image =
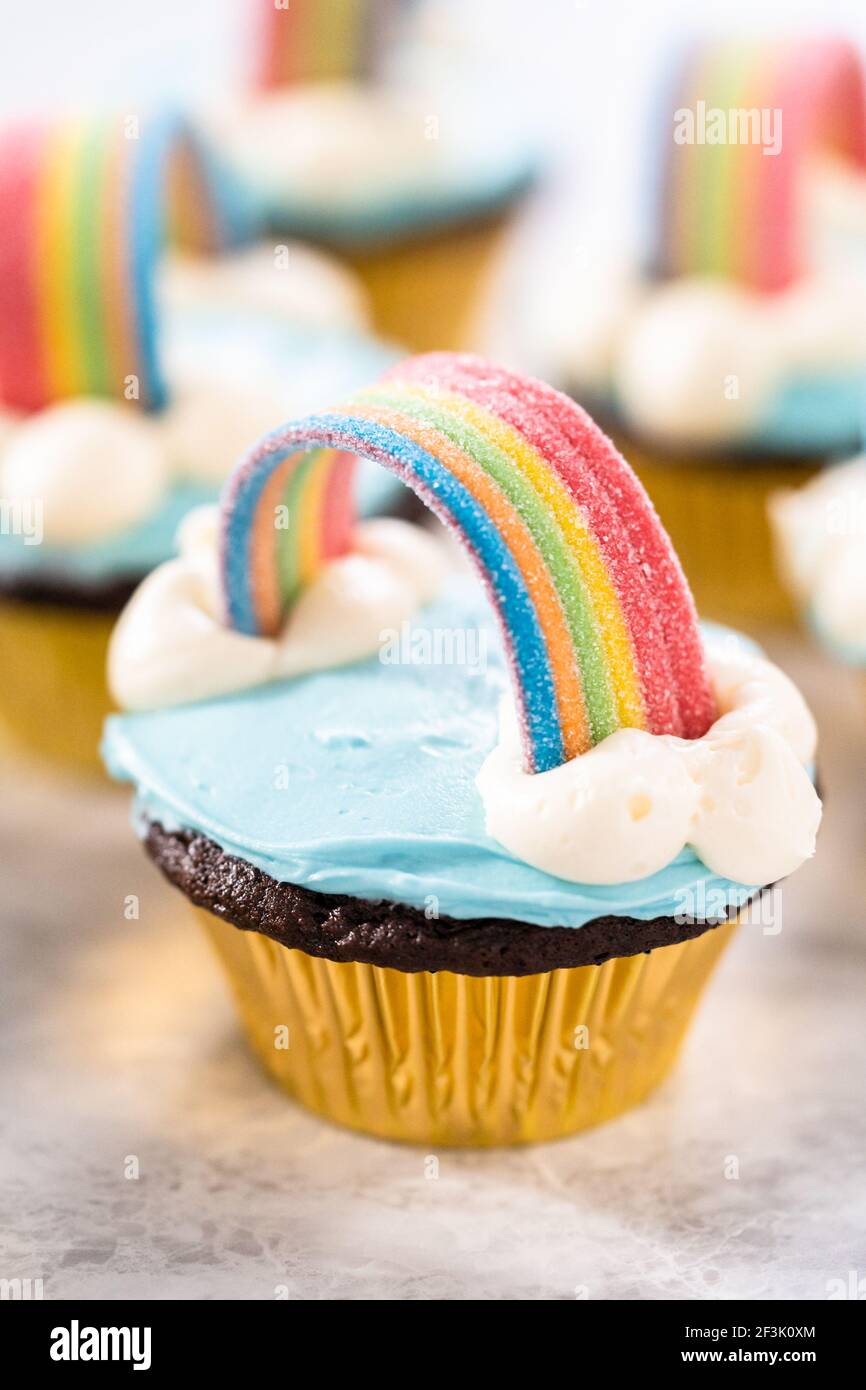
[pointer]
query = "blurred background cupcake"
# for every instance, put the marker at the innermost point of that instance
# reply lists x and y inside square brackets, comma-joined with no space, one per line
[130,385]
[726,353]
[382,128]
[820,535]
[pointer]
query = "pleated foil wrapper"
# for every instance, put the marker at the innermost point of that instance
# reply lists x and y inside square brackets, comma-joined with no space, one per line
[427,293]
[457,1060]
[53,694]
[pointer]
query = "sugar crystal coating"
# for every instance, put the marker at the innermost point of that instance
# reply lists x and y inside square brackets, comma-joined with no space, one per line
[597,619]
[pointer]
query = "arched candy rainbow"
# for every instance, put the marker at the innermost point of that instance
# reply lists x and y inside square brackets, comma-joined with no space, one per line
[321,40]
[725,207]
[87,207]
[598,621]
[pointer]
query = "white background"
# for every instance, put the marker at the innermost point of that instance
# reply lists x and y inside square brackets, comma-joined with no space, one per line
[578,69]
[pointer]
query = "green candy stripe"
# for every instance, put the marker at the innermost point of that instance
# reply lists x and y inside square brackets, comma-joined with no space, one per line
[714,207]
[545,531]
[288,542]
[88,229]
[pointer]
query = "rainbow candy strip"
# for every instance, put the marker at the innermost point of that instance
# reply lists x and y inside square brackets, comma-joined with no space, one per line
[597,618]
[728,208]
[87,207]
[321,40]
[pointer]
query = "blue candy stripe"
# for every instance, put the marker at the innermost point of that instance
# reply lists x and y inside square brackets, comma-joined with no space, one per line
[146,236]
[445,495]
[231,221]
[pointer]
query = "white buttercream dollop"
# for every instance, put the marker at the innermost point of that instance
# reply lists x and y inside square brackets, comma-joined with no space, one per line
[96,467]
[331,143]
[697,360]
[286,280]
[93,466]
[171,646]
[740,796]
[10,421]
[207,427]
[584,346]
[834,211]
[820,535]
[817,324]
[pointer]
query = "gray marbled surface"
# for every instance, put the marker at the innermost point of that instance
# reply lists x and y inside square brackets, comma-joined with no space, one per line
[120,1052]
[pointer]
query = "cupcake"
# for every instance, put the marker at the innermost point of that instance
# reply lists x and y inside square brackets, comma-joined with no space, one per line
[130,389]
[730,361]
[820,535]
[409,167]
[468,847]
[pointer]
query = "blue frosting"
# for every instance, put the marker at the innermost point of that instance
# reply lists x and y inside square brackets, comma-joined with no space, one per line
[474,189]
[494,162]
[128,553]
[337,364]
[362,781]
[818,415]
[823,414]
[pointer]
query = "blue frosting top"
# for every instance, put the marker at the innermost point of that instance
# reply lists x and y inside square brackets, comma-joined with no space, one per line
[495,160]
[476,186]
[361,781]
[131,552]
[818,415]
[324,365]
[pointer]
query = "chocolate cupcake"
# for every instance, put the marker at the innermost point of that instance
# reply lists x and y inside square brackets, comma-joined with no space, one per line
[468,851]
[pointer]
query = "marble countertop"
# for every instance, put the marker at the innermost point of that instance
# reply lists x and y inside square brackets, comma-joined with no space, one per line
[119,1044]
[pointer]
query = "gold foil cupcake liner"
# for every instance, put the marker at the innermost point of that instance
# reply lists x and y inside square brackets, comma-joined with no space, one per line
[454,1060]
[53,695]
[715,513]
[425,293]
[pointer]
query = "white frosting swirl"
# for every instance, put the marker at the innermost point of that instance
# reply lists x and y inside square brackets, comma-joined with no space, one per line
[668,353]
[700,360]
[9,423]
[332,144]
[286,280]
[171,646]
[94,468]
[835,212]
[207,427]
[697,361]
[820,534]
[740,796]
